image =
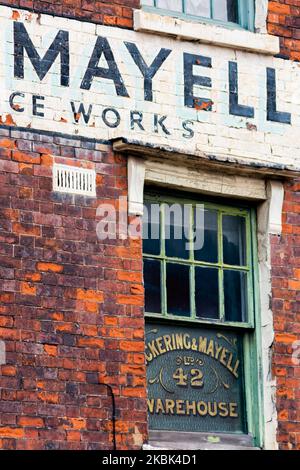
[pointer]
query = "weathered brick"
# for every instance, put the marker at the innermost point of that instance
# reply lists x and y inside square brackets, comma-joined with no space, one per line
[56,268]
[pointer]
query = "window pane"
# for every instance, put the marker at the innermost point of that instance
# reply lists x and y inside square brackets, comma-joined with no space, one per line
[235,294]
[198,8]
[207,292]
[220,10]
[151,229]
[232,11]
[234,240]
[149,3]
[177,228]
[172,5]
[152,273]
[226,10]
[178,289]
[207,246]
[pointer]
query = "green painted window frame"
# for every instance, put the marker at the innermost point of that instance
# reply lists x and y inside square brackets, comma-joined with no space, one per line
[252,339]
[220,265]
[246,14]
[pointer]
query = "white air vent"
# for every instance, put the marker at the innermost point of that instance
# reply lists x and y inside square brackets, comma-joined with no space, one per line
[73,180]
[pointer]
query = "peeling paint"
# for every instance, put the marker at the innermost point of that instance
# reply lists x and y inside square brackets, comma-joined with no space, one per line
[137,437]
[29,17]
[16,107]
[15,15]
[203,105]
[251,127]
[8,120]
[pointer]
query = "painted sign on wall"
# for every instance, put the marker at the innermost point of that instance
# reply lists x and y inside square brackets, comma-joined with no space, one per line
[194,378]
[78,78]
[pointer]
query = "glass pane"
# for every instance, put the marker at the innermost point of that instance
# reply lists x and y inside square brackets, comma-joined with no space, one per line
[234,240]
[226,10]
[178,289]
[149,3]
[198,8]
[235,295]
[151,229]
[220,10]
[172,5]
[206,248]
[152,273]
[207,292]
[177,229]
[232,11]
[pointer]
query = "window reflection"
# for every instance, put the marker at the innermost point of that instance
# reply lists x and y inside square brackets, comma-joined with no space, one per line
[198,8]
[178,289]
[208,229]
[207,292]
[235,296]
[234,240]
[152,282]
[177,230]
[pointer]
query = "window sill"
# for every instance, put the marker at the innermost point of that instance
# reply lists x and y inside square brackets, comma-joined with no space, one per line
[176,440]
[206,33]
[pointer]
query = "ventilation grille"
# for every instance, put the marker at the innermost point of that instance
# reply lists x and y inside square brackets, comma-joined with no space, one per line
[73,180]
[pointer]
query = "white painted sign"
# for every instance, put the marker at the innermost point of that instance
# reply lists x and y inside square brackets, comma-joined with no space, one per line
[83,79]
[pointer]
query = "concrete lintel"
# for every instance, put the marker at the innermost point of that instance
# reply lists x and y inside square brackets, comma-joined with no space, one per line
[208,33]
[224,163]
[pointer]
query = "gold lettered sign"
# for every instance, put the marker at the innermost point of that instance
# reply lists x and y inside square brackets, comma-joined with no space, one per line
[195,379]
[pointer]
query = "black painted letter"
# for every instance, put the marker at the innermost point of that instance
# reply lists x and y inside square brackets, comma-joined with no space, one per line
[111,73]
[190,80]
[272,113]
[187,126]
[60,46]
[36,106]
[147,72]
[159,122]
[13,105]
[136,117]
[235,108]
[81,112]
[115,113]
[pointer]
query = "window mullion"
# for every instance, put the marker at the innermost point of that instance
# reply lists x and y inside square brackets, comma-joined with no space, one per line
[164,263]
[246,14]
[251,273]
[192,268]
[212,12]
[221,270]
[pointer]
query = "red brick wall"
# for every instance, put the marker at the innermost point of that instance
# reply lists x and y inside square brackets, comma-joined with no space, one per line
[284,21]
[71,306]
[113,13]
[286,309]
[71,310]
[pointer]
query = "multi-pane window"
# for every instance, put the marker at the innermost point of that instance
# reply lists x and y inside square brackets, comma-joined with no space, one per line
[201,338]
[197,261]
[227,11]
